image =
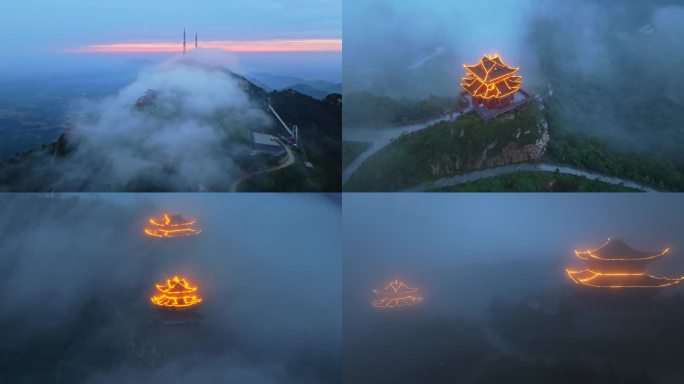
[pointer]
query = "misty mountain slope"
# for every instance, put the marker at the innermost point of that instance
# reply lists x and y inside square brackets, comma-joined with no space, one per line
[320,126]
[317,89]
[607,71]
[595,334]
[369,109]
[257,93]
[308,90]
[523,321]
[403,346]
[79,273]
[626,120]
[619,86]
[453,147]
[182,126]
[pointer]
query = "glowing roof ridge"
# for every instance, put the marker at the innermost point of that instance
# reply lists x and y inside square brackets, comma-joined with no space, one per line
[170,226]
[491,78]
[592,253]
[587,276]
[176,293]
[396,294]
[396,286]
[617,265]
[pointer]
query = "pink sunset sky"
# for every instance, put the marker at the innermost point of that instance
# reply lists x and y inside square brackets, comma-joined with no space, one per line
[237,46]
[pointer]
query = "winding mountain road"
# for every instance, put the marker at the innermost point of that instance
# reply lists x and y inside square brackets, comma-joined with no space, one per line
[523,167]
[290,160]
[381,137]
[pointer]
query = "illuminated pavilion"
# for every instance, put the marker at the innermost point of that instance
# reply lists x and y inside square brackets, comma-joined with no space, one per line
[617,265]
[491,82]
[396,294]
[176,293]
[169,226]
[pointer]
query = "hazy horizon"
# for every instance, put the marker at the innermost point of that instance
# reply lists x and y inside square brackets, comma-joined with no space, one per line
[300,38]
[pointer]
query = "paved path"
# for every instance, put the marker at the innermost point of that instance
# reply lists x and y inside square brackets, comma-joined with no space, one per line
[381,137]
[523,167]
[290,160]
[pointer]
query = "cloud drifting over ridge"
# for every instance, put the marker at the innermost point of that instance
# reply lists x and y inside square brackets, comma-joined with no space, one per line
[183,138]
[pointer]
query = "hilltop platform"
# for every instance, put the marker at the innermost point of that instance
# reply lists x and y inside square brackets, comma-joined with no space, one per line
[519,98]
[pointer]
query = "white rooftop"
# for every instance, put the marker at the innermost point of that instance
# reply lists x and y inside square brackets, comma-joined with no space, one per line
[264,139]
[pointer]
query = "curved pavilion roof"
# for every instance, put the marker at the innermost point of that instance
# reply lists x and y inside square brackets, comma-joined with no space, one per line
[396,294]
[491,78]
[395,287]
[169,226]
[618,250]
[490,69]
[620,280]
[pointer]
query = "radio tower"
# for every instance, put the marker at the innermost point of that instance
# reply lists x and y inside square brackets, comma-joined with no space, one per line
[195,40]
[184,41]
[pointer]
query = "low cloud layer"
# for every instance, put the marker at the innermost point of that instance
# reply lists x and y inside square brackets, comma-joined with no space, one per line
[78,273]
[465,249]
[183,136]
[613,66]
[588,36]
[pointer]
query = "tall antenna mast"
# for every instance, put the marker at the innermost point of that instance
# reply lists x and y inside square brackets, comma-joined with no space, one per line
[184,41]
[195,40]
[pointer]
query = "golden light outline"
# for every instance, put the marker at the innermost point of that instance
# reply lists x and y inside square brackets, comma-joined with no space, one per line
[167,228]
[487,88]
[574,276]
[176,294]
[397,294]
[591,254]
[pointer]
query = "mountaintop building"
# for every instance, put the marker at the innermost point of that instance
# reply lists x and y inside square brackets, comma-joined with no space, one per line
[617,265]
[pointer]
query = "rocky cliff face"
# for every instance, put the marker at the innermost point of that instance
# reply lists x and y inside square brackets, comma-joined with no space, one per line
[514,152]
